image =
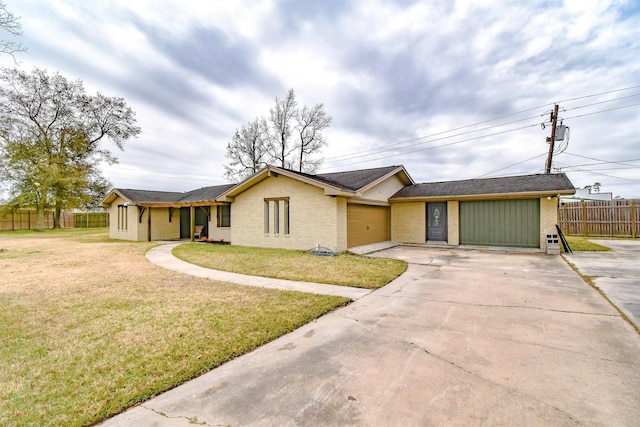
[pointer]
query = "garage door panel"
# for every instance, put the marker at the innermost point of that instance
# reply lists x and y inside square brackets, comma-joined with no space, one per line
[513,223]
[367,224]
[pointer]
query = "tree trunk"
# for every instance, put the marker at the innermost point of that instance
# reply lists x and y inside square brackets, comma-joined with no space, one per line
[57,216]
[40,216]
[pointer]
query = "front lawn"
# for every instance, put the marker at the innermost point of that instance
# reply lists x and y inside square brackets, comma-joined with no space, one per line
[342,269]
[577,244]
[89,327]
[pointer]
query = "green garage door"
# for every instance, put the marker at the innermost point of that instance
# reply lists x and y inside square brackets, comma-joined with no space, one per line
[512,223]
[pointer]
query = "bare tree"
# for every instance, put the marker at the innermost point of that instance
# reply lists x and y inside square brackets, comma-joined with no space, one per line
[10,23]
[290,138]
[247,150]
[281,119]
[310,124]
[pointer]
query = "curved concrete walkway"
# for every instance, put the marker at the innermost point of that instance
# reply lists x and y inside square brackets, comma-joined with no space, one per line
[162,256]
[461,338]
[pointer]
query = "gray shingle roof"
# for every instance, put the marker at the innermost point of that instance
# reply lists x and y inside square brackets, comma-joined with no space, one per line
[145,196]
[350,180]
[199,195]
[355,180]
[205,193]
[514,184]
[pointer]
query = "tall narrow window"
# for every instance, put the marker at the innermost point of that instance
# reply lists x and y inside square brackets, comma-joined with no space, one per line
[224,216]
[276,217]
[276,210]
[122,218]
[286,217]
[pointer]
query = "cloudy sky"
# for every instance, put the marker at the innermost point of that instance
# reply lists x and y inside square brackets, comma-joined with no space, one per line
[449,89]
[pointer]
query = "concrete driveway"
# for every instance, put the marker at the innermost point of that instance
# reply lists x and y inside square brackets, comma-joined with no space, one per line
[616,273]
[464,337]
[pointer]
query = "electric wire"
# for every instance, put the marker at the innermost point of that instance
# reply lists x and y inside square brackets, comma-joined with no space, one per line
[419,140]
[602,102]
[598,94]
[439,146]
[620,162]
[601,174]
[385,149]
[510,166]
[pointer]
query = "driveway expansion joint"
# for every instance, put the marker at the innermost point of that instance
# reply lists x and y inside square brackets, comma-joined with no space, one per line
[504,306]
[509,390]
[191,420]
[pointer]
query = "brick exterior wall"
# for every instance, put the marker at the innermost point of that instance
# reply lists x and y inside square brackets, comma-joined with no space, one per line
[131,233]
[548,219]
[161,228]
[313,217]
[453,222]
[408,222]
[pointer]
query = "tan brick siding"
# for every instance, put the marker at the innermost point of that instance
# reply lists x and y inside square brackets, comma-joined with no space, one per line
[408,222]
[161,228]
[453,222]
[314,218]
[131,233]
[548,219]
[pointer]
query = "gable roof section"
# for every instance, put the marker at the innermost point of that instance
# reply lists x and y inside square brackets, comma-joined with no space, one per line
[345,184]
[541,185]
[360,179]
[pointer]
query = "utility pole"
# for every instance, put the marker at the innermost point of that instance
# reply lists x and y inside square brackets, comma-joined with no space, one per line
[554,121]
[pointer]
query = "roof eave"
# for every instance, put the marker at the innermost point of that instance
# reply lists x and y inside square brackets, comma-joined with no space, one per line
[229,195]
[273,171]
[404,177]
[526,195]
[111,196]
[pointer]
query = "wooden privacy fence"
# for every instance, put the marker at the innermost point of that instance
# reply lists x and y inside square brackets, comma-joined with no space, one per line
[612,218]
[24,219]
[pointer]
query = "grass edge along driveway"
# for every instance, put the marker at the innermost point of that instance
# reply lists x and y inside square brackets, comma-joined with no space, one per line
[89,327]
[342,269]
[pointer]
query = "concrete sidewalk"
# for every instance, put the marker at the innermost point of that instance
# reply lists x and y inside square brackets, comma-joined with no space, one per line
[616,273]
[162,256]
[462,338]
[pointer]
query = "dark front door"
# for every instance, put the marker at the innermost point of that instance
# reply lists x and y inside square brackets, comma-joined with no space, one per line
[437,221]
[185,223]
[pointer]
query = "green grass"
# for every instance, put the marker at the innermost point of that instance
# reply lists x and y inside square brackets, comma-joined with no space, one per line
[88,327]
[342,269]
[578,244]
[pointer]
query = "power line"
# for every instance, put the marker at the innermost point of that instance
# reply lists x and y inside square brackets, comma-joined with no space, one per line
[602,102]
[602,111]
[439,146]
[601,174]
[510,166]
[464,140]
[387,147]
[620,162]
[384,149]
[598,94]
[422,140]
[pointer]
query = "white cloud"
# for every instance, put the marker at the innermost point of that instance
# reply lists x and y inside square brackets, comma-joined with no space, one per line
[386,71]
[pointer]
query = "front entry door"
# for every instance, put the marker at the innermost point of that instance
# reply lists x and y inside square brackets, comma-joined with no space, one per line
[436,221]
